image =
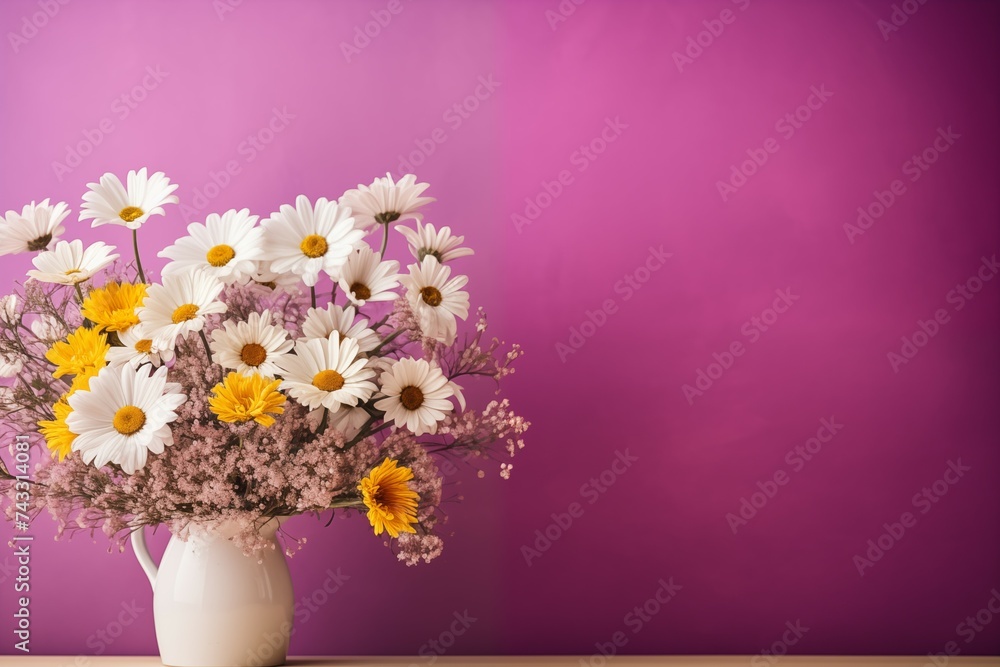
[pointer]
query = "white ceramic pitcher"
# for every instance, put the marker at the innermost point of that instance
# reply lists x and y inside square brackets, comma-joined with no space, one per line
[215,607]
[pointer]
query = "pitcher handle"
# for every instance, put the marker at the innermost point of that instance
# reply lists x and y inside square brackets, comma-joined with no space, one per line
[142,555]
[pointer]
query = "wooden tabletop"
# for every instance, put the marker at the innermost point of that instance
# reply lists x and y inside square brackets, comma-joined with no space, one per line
[531,661]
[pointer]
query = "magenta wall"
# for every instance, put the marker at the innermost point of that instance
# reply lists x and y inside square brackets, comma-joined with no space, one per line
[558,228]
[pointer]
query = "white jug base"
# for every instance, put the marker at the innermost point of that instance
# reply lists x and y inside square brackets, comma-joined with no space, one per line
[274,662]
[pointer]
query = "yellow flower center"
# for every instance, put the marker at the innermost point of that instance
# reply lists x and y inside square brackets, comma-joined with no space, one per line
[431,296]
[129,419]
[220,255]
[185,313]
[314,246]
[130,213]
[328,381]
[253,354]
[145,346]
[411,397]
[377,501]
[361,291]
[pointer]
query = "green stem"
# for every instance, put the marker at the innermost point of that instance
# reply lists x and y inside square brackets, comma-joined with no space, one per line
[362,434]
[312,293]
[135,249]
[346,503]
[79,294]
[388,339]
[208,348]
[385,240]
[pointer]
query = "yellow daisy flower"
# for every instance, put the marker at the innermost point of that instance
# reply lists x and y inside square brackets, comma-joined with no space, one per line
[240,398]
[114,306]
[84,349]
[392,505]
[58,437]
[82,381]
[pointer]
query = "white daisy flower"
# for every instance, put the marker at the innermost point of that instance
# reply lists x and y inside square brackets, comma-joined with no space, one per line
[179,306]
[416,395]
[366,277]
[8,308]
[286,283]
[69,264]
[385,202]
[125,414]
[321,322]
[138,349]
[327,373]
[48,329]
[307,239]
[459,394]
[111,203]
[254,346]
[226,246]
[33,229]
[435,299]
[348,421]
[314,419]
[380,364]
[11,365]
[425,240]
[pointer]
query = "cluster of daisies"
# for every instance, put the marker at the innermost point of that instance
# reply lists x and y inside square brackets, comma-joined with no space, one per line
[348,367]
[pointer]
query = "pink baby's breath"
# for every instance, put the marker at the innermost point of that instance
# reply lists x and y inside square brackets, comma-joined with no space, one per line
[244,474]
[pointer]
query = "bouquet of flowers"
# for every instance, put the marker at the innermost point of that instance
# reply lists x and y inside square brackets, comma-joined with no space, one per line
[275,369]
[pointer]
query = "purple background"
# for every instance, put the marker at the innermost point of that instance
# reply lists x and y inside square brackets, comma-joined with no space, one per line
[654,185]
